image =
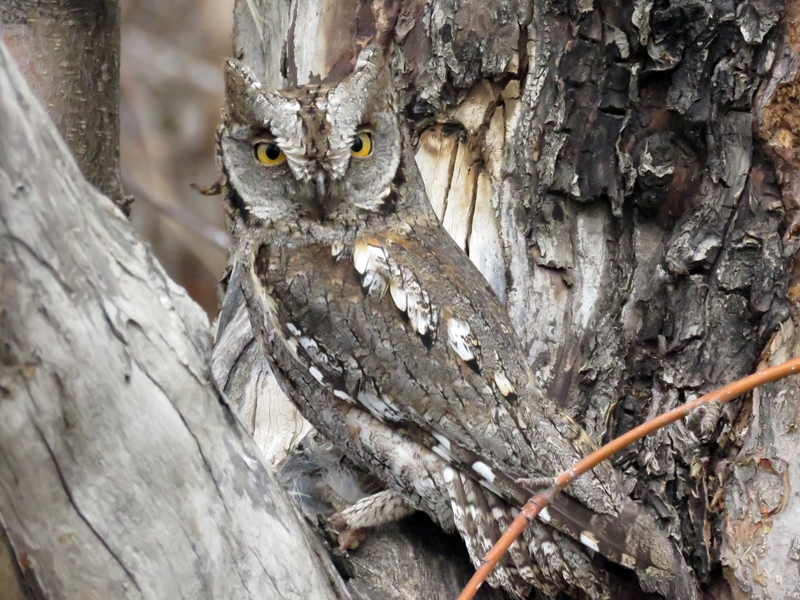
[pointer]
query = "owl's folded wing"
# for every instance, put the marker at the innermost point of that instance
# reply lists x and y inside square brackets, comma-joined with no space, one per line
[417,339]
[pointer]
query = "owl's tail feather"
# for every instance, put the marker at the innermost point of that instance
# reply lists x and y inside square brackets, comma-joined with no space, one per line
[631,539]
[542,557]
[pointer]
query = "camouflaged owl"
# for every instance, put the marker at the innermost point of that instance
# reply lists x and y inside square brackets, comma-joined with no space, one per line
[392,344]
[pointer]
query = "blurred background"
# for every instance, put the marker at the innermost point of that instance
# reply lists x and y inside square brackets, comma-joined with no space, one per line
[171,94]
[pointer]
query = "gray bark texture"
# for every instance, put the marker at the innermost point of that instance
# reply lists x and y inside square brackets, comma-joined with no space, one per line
[625,175]
[69,53]
[123,472]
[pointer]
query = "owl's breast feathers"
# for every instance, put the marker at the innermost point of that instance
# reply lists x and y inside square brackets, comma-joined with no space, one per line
[403,326]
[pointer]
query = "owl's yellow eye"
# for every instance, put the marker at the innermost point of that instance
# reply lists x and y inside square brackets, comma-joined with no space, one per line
[362,145]
[269,154]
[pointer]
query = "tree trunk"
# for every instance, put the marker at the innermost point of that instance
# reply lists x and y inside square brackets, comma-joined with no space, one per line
[69,53]
[626,178]
[124,474]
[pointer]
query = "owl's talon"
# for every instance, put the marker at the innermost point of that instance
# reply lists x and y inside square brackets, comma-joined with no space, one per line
[349,539]
[380,508]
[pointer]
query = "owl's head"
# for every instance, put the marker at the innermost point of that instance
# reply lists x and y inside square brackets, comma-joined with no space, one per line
[326,152]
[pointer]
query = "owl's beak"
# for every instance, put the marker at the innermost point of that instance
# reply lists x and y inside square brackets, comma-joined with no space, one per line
[322,186]
[323,200]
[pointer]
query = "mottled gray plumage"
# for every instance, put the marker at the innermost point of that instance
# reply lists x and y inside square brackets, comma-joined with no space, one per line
[389,340]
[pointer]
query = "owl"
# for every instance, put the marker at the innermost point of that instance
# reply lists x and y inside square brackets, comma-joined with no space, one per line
[391,343]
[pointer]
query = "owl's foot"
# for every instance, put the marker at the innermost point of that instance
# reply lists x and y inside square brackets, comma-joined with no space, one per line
[349,539]
[378,509]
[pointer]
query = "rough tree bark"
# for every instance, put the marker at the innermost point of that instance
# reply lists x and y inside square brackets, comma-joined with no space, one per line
[625,175]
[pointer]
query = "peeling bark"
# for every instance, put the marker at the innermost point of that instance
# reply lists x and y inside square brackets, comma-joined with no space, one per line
[760,546]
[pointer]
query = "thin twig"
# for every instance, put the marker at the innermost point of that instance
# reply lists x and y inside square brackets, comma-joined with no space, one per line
[542,499]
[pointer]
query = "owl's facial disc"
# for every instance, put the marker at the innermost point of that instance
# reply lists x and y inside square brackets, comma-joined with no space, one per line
[327,152]
[328,172]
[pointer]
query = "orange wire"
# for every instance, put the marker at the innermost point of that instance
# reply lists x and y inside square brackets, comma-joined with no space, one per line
[540,500]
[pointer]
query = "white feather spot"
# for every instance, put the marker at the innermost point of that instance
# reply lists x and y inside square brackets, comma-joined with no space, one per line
[526,573]
[460,338]
[419,309]
[380,274]
[375,283]
[498,513]
[473,510]
[441,451]
[380,408]
[544,515]
[308,343]
[399,296]
[503,384]
[367,257]
[360,258]
[316,373]
[293,329]
[291,344]
[343,395]
[589,540]
[448,474]
[442,440]
[548,548]
[391,406]
[484,471]
[336,248]
[491,487]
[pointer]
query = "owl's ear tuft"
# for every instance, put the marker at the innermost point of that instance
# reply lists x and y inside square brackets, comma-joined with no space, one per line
[243,92]
[370,78]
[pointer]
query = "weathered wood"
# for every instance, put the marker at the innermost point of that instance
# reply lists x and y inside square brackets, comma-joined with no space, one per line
[241,371]
[124,474]
[761,538]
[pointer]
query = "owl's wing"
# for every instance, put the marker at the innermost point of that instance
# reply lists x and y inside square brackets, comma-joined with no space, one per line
[405,327]
[460,364]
